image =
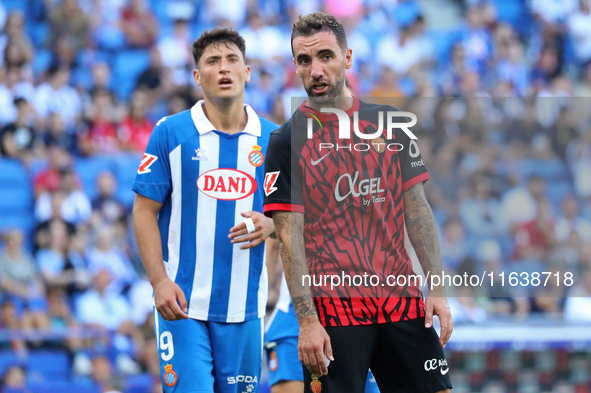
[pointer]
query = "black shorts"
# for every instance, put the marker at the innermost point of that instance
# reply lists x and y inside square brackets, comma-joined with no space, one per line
[403,357]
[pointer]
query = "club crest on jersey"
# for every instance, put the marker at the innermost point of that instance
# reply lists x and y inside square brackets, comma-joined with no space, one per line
[316,385]
[378,144]
[269,183]
[170,377]
[256,157]
[273,362]
[226,184]
[146,163]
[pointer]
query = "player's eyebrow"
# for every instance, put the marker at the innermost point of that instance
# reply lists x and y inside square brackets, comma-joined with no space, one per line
[325,52]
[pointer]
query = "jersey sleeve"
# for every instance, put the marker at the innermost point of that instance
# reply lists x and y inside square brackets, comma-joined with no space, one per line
[283,178]
[412,165]
[153,179]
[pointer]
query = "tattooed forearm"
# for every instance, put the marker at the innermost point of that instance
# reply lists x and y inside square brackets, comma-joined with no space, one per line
[290,232]
[421,228]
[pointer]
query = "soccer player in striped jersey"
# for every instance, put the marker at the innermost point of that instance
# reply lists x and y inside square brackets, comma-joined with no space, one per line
[199,229]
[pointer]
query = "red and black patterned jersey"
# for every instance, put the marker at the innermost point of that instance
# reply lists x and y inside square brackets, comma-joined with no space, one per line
[350,191]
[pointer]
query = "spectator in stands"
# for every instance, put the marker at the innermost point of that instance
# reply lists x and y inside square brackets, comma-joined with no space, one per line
[519,203]
[481,213]
[76,207]
[14,379]
[152,78]
[138,24]
[579,28]
[57,96]
[175,51]
[20,281]
[400,51]
[534,239]
[55,134]
[454,244]
[101,135]
[387,85]
[49,180]
[102,374]
[57,268]
[104,309]
[101,78]
[14,34]
[106,208]
[11,322]
[68,19]
[19,139]
[145,341]
[135,129]
[266,42]
[579,161]
[106,256]
[571,228]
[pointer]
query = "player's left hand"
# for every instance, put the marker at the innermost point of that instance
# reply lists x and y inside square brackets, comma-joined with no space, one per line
[436,304]
[264,227]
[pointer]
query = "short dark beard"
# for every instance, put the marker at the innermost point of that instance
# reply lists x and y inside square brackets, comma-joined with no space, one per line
[327,98]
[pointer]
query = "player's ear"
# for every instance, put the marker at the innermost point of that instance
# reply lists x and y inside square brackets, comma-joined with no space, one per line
[197,77]
[348,58]
[247,73]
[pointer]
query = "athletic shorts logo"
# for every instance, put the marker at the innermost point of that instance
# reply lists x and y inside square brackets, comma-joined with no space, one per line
[170,377]
[226,184]
[256,157]
[433,364]
[146,163]
[273,362]
[316,385]
[269,183]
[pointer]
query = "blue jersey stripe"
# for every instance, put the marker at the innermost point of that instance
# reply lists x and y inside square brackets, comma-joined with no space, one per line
[187,255]
[222,267]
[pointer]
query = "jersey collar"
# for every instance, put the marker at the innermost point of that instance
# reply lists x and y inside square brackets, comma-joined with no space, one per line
[203,125]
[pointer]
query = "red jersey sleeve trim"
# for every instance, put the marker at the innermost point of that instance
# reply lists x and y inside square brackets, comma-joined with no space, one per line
[423,177]
[286,207]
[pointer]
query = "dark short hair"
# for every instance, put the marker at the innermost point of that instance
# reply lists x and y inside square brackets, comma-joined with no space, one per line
[316,22]
[217,36]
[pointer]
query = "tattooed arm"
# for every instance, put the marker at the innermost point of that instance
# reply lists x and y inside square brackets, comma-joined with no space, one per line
[313,340]
[422,233]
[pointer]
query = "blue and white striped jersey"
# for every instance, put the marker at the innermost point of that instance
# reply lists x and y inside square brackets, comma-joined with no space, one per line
[205,178]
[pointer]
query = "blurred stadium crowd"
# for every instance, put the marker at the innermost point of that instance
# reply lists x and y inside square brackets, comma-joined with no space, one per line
[82,82]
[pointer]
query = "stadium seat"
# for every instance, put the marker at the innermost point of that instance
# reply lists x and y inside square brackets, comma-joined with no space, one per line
[87,169]
[16,204]
[63,386]
[125,171]
[51,364]
[127,67]
[41,62]
[8,358]
[138,383]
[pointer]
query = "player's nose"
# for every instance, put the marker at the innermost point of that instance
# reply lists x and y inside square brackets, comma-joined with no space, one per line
[316,70]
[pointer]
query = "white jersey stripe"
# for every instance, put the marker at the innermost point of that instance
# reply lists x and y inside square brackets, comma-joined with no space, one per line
[174,230]
[241,258]
[205,238]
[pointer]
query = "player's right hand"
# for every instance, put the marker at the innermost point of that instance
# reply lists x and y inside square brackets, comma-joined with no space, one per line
[313,344]
[170,300]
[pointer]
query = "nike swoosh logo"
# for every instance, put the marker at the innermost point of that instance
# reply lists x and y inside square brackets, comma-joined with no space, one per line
[443,372]
[316,162]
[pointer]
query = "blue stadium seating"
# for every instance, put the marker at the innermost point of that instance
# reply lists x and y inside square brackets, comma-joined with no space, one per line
[138,383]
[125,172]
[63,386]
[8,358]
[51,364]
[41,62]
[88,169]
[127,67]
[16,204]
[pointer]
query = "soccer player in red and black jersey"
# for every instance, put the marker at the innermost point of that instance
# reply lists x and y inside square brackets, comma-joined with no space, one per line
[339,208]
